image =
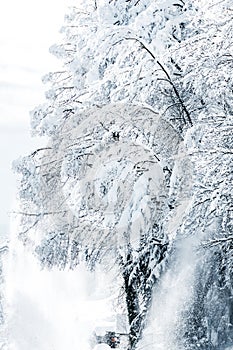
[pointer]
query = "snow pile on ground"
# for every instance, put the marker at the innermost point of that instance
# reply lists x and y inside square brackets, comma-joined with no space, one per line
[101,347]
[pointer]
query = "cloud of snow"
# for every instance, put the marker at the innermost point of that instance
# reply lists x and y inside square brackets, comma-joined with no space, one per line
[52,309]
[170,300]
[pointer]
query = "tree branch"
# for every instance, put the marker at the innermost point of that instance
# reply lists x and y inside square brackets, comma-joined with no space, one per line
[168,77]
[177,93]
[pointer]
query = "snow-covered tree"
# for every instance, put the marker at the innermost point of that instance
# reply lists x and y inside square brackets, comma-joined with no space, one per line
[139,153]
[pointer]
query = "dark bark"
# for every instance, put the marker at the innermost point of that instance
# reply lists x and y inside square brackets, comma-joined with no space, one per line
[132,304]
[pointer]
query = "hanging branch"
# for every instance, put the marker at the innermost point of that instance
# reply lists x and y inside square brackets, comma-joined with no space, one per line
[177,93]
[167,75]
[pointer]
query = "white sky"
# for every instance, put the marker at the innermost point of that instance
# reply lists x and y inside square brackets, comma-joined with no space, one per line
[27,29]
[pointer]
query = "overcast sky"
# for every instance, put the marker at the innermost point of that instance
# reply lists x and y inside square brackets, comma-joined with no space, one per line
[27,29]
